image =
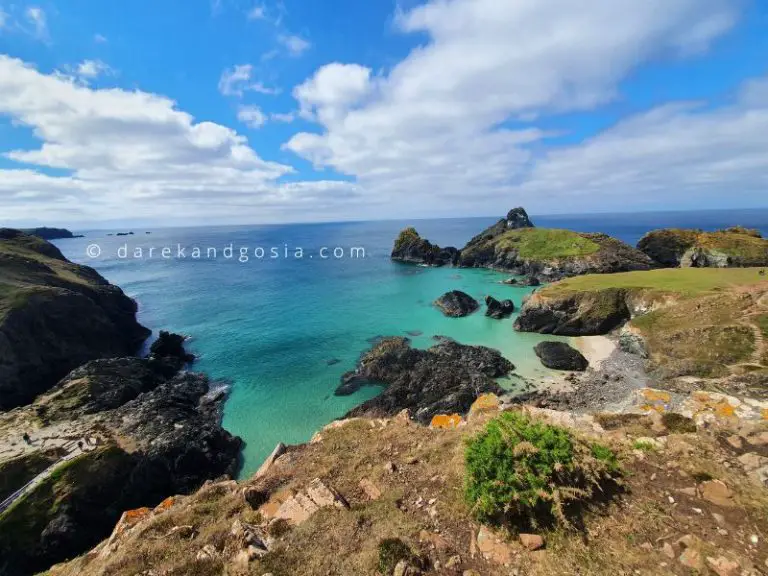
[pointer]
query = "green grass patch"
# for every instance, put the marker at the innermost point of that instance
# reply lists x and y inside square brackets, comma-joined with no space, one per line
[762,323]
[546,243]
[520,468]
[682,281]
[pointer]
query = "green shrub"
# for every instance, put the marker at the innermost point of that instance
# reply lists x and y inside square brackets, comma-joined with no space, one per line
[517,467]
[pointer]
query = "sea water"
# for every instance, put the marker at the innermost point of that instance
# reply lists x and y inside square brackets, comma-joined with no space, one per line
[282,330]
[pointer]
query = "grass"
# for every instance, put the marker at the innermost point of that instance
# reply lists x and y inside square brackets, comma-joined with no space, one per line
[740,244]
[682,281]
[545,243]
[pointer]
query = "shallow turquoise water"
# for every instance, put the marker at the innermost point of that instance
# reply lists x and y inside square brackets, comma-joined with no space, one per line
[269,327]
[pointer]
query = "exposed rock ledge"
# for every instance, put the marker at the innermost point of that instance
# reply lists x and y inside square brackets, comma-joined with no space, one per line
[446,378]
[120,433]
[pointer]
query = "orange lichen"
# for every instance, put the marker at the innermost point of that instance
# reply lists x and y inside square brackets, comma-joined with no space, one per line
[485,403]
[724,409]
[656,395]
[166,504]
[445,421]
[764,413]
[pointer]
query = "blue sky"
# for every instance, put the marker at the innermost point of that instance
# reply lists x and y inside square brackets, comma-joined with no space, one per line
[240,111]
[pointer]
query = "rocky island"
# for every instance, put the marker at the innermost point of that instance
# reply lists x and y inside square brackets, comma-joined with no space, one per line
[51,233]
[515,245]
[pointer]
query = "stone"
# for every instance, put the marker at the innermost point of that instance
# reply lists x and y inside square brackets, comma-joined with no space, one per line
[324,496]
[183,531]
[531,541]
[453,562]
[278,451]
[691,558]
[370,489]
[456,304]
[445,421]
[716,492]
[668,550]
[405,568]
[498,309]
[390,467]
[723,566]
[756,466]
[208,552]
[492,547]
[485,403]
[560,356]
[735,441]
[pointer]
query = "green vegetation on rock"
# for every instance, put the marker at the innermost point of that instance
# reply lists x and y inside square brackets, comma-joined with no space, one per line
[546,243]
[519,468]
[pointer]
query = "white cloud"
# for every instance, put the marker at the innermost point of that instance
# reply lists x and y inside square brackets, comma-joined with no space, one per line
[135,154]
[237,80]
[100,39]
[3,18]
[295,45]
[90,69]
[252,116]
[442,121]
[36,17]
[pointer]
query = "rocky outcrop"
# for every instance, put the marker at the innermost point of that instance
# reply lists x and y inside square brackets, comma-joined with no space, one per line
[412,248]
[445,379]
[560,356]
[55,316]
[729,248]
[525,281]
[152,436]
[574,313]
[515,245]
[456,304]
[51,233]
[498,308]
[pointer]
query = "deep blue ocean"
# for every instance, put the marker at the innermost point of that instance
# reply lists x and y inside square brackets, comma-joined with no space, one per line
[281,330]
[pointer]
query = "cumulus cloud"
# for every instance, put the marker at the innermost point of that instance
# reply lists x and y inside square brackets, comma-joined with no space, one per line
[448,119]
[133,153]
[258,12]
[252,116]
[237,80]
[295,45]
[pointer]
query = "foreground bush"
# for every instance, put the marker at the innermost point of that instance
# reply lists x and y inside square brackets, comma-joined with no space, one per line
[518,468]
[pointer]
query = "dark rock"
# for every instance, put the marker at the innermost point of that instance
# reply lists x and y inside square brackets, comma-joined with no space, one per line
[525,281]
[412,248]
[58,316]
[560,356]
[498,309]
[332,361]
[729,248]
[446,378]
[51,233]
[518,218]
[574,314]
[414,333]
[666,247]
[456,304]
[168,351]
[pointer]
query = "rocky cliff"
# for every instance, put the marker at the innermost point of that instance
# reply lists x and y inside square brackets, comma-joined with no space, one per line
[514,244]
[729,248]
[50,233]
[55,316]
[117,434]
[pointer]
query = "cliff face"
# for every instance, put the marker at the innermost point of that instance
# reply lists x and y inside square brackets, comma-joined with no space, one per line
[143,435]
[55,316]
[731,248]
[516,245]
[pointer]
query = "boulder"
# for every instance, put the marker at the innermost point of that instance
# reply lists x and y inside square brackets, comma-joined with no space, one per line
[498,309]
[560,356]
[456,304]
[732,247]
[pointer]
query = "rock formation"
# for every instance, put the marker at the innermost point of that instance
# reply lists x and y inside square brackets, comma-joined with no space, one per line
[457,304]
[498,309]
[446,378]
[51,233]
[560,356]
[515,245]
[735,247]
[412,248]
[55,316]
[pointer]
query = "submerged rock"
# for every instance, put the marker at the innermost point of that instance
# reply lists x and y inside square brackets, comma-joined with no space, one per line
[445,379]
[457,304]
[560,356]
[498,309]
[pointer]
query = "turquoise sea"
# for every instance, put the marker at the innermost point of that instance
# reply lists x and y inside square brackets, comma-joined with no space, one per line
[281,330]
